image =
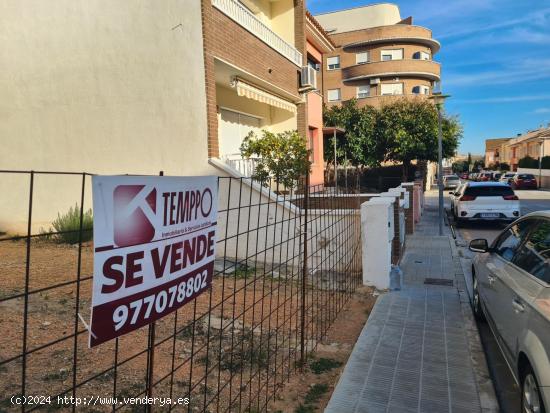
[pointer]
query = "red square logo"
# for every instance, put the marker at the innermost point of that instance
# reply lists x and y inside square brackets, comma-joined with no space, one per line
[134,210]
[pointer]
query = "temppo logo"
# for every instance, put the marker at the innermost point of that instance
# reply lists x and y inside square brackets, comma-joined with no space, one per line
[135,207]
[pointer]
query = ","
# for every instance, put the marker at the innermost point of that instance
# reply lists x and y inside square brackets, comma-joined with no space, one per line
[511,291]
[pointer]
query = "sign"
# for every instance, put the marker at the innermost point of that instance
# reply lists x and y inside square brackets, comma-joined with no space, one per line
[154,248]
